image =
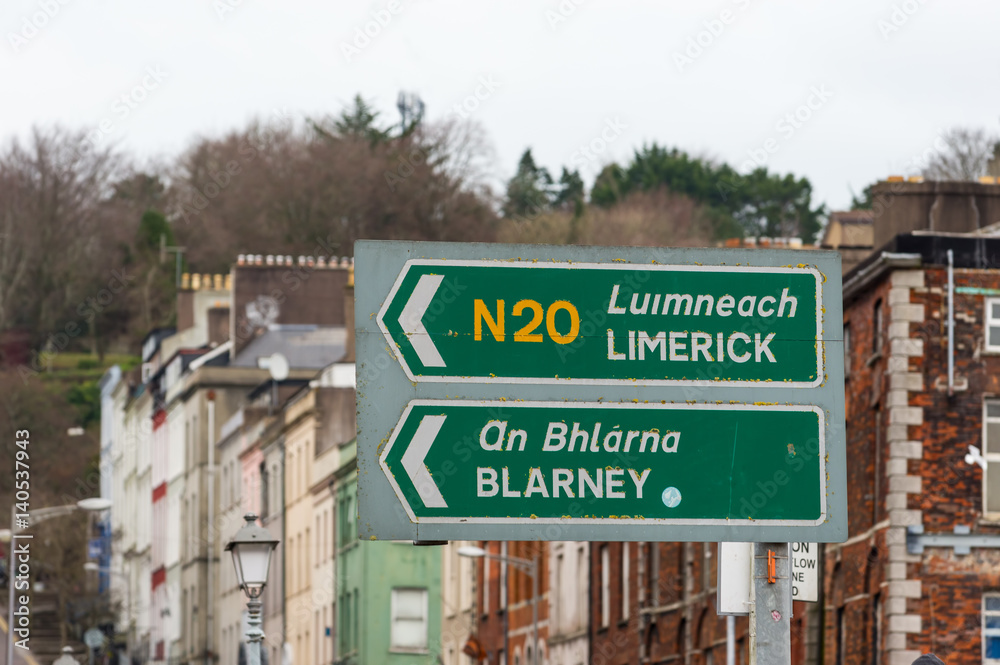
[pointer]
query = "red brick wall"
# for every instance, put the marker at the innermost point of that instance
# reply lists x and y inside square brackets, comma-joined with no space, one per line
[516,616]
[672,619]
[953,585]
[951,491]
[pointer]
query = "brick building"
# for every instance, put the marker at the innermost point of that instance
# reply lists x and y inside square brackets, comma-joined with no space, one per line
[655,603]
[921,571]
[503,604]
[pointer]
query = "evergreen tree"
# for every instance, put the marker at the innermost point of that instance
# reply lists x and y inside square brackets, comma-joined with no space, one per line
[359,121]
[529,192]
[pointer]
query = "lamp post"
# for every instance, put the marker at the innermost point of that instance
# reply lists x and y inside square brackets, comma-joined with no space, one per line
[92,567]
[94,504]
[530,568]
[252,547]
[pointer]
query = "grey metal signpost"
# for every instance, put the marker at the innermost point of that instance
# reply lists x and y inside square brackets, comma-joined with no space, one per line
[771,606]
[529,392]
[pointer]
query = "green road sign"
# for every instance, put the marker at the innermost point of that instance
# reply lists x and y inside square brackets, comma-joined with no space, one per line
[525,392]
[606,323]
[480,462]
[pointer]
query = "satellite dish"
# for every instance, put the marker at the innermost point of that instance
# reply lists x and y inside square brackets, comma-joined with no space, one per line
[278,367]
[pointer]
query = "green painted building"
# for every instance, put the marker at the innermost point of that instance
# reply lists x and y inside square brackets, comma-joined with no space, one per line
[388,593]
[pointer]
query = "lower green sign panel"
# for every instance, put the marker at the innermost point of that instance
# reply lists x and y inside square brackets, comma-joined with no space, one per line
[453,461]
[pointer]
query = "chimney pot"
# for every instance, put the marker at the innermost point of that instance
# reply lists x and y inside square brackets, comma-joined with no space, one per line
[241,259]
[269,260]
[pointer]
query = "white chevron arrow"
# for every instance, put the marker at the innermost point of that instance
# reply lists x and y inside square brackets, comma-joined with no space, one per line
[413,461]
[411,319]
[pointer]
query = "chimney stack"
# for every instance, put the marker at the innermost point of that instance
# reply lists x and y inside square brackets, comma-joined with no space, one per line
[902,206]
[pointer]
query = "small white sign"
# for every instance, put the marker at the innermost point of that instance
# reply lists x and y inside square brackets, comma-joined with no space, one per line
[805,571]
[735,578]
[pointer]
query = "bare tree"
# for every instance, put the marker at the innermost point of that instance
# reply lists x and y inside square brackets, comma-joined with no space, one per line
[278,187]
[58,228]
[964,155]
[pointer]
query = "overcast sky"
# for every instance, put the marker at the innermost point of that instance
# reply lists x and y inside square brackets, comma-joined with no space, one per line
[883,77]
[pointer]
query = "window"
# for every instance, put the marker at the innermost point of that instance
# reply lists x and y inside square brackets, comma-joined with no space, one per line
[993,324]
[264,505]
[503,576]
[345,620]
[847,350]
[557,607]
[408,630]
[356,641]
[991,452]
[487,569]
[991,627]
[605,587]
[877,328]
[624,580]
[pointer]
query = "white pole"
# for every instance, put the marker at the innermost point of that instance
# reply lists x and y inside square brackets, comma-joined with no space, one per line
[730,640]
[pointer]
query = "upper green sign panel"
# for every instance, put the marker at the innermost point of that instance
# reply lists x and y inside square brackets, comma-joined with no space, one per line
[606,323]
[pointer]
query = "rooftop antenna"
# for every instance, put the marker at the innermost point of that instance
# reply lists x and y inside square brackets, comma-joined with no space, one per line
[164,248]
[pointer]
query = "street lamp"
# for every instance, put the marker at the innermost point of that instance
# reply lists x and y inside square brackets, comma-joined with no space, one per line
[92,567]
[530,568]
[252,547]
[34,517]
